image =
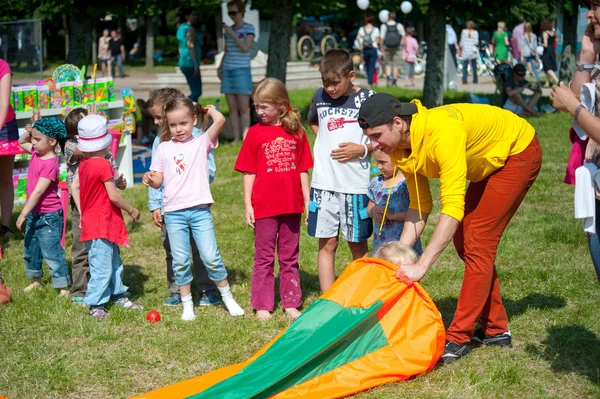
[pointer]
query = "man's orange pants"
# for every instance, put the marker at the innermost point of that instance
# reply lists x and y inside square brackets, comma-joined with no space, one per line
[489,205]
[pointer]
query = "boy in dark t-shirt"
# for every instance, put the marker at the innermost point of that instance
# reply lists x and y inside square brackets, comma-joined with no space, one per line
[340,179]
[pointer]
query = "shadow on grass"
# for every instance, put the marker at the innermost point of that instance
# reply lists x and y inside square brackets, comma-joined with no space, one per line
[135,278]
[570,349]
[447,306]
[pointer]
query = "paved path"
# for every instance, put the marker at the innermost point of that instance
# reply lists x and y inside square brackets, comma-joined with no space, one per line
[134,78]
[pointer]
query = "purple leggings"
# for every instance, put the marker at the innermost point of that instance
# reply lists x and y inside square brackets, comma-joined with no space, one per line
[283,231]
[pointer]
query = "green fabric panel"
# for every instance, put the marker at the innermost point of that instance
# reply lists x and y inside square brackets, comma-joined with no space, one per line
[325,337]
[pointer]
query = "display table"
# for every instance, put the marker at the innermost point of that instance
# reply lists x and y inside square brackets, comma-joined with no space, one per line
[115,111]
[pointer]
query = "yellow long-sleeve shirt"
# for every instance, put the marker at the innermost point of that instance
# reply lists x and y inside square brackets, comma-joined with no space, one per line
[456,143]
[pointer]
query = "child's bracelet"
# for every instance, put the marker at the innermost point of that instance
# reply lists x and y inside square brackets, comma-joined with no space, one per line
[366,152]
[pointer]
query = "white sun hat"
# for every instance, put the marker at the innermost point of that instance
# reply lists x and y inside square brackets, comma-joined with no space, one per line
[93,134]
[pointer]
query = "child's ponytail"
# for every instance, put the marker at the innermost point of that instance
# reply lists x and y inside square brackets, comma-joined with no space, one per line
[291,122]
[273,91]
[202,115]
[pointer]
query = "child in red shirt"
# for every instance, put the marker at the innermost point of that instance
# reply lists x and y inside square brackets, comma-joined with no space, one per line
[275,158]
[102,225]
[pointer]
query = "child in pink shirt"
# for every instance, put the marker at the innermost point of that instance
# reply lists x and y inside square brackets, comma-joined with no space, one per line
[181,162]
[42,214]
[409,54]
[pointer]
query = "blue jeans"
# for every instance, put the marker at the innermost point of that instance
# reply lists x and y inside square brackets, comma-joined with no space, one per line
[43,232]
[466,70]
[195,82]
[106,273]
[370,56]
[594,242]
[531,61]
[117,60]
[197,220]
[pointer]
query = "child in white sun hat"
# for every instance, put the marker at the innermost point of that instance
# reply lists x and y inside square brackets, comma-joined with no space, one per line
[102,224]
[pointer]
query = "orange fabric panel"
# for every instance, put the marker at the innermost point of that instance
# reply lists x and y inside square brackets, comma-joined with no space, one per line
[184,389]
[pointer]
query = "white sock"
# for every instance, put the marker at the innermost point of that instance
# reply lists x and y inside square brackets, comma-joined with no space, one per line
[230,303]
[188,308]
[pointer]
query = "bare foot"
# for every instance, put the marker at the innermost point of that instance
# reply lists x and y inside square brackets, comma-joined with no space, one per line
[263,315]
[293,312]
[35,284]
[64,292]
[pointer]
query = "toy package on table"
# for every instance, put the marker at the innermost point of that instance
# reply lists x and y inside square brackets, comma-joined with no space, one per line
[112,94]
[19,105]
[77,93]
[128,123]
[115,124]
[20,183]
[101,90]
[43,95]
[12,99]
[129,104]
[67,92]
[102,109]
[29,98]
[89,92]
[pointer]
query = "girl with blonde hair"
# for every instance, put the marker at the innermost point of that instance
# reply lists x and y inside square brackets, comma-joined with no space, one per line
[275,159]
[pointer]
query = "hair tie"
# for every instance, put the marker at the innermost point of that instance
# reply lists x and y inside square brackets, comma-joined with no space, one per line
[289,107]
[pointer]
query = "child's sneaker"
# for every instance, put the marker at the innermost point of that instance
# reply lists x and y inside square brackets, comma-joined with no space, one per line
[453,351]
[504,340]
[98,313]
[208,300]
[77,300]
[6,232]
[127,303]
[173,300]
[35,284]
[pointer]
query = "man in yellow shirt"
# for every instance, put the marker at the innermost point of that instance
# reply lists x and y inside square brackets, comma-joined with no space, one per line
[500,155]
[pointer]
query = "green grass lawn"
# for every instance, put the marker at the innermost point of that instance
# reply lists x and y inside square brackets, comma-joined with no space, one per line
[53,349]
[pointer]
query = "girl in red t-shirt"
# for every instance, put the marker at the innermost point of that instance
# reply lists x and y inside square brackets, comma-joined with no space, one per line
[275,158]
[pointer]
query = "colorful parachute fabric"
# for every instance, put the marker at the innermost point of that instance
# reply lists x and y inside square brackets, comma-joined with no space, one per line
[368,329]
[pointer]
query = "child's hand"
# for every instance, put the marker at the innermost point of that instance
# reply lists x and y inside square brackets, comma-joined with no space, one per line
[121,182]
[28,129]
[157,217]
[306,214]
[347,152]
[135,214]
[35,115]
[20,220]
[147,178]
[92,109]
[377,214]
[249,215]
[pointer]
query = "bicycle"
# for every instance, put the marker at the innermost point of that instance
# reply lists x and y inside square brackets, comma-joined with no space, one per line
[307,47]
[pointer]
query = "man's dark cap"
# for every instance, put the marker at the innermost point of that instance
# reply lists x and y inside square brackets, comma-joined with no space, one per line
[381,108]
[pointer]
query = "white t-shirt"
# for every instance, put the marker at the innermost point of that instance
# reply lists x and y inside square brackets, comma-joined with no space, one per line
[373,33]
[338,123]
[184,166]
[391,24]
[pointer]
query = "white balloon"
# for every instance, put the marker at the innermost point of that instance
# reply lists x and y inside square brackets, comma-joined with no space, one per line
[384,16]
[406,7]
[362,4]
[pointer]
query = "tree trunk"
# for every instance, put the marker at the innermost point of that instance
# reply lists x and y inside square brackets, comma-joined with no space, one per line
[279,40]
[65,28]
[433,91]
[80,35]
[149,41]
[570,26]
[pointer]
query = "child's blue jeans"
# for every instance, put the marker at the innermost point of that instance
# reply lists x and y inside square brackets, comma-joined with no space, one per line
[43,232]
[106,273]
[199,221]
